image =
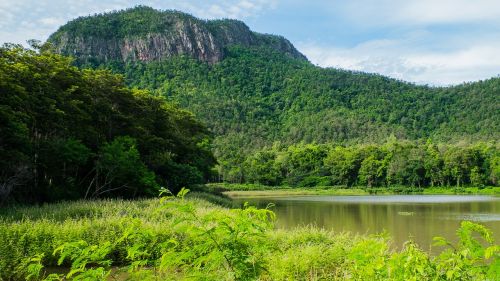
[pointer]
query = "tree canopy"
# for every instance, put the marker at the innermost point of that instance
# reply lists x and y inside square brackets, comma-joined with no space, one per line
[70,133]
[395,163]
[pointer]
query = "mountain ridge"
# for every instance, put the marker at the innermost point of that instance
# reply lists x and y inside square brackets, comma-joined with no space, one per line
[145,34]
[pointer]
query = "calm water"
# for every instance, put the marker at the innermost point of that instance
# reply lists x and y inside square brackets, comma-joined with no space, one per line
[419,217]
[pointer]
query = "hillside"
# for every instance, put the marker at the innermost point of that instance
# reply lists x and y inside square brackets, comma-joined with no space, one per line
[252,92]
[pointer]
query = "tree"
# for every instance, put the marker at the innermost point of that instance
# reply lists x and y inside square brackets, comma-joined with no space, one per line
[343,164]
[62,163]
[371,172]
[261,168]
[494,175]
[433,164]
[120,171]
[67,133]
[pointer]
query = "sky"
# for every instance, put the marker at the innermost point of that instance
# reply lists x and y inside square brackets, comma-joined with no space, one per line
[435,42]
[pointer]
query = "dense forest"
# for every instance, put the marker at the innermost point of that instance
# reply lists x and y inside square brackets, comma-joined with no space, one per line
[256,97]
[392,164]
[68,133]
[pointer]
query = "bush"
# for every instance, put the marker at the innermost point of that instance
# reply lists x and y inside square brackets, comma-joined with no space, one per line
[312,181]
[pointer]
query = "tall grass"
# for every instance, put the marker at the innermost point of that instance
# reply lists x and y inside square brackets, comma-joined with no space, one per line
[190,238]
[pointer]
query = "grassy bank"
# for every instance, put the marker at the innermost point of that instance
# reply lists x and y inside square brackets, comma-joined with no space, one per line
[189,238]
[295,192]
[238,190]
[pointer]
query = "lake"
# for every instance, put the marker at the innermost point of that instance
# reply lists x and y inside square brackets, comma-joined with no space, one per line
[404,217]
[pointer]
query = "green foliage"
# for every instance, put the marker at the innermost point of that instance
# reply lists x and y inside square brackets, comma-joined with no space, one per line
[180,238]
[32,269]
[411,264]
[394,164]
[133,22]
[87,261]
[371,171]
[221,187]
[256,97]
[469,259]
[219,241]
[68,133]
[119,167]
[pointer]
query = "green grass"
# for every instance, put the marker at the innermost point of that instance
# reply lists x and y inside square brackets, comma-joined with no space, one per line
[295,192]
[467,190]
[239,190]
[241,187]
[190,238]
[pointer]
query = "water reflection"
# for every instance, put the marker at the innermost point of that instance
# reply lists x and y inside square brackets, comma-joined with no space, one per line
[404,217]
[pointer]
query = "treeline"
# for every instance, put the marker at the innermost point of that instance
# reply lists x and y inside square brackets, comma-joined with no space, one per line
[67,133]
[395,163]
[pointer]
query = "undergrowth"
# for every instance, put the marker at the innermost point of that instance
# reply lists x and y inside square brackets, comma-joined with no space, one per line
[182,238]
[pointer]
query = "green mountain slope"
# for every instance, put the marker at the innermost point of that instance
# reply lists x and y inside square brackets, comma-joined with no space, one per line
[254,90]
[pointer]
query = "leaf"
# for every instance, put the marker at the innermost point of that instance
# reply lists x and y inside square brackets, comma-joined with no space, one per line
[182,193]
[440,241]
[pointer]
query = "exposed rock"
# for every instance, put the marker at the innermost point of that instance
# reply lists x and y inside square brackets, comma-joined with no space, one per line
[145,34]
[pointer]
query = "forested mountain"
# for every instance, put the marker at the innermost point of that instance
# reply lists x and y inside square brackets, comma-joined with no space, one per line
[255,90]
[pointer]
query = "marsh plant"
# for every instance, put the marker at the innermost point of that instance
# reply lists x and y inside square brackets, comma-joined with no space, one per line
[181,238]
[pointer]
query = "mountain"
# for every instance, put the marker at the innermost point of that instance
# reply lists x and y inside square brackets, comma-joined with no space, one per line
[145,34]
[255,90]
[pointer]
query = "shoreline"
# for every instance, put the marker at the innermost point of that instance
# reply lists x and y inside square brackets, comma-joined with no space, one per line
[357,191]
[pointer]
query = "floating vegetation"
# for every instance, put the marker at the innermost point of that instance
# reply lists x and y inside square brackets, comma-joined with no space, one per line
[406,213]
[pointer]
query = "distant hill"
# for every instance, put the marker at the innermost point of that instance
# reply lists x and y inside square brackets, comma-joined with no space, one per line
[253,90]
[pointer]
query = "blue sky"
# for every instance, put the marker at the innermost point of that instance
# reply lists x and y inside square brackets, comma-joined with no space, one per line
[437,42]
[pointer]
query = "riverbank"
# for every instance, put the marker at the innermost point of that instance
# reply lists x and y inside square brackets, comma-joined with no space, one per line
[187,238]
[240,190]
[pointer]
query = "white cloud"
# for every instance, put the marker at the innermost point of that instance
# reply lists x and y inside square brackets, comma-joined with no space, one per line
[398,59]
[411,12]
[51,21]
[236,9]
[438,42]
[21,20]
[424,41]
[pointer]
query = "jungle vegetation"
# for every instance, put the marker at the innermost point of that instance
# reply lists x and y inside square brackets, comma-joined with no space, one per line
[68,133]
[391,164]
[259,103]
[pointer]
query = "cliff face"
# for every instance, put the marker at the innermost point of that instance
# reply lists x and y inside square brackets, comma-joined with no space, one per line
[145,34]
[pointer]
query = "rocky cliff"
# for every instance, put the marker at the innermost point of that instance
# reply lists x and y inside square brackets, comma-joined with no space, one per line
[145,34]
